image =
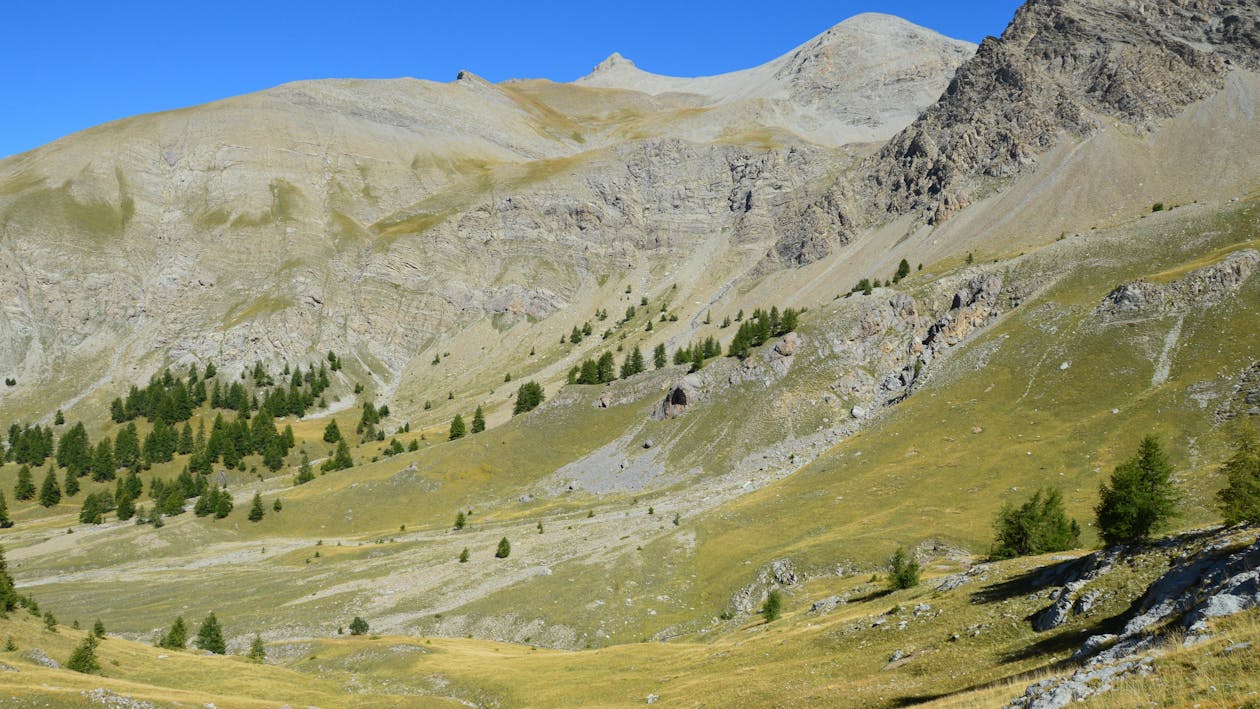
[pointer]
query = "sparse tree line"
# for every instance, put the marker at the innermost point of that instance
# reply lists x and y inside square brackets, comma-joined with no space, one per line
[528,397]
[752,332]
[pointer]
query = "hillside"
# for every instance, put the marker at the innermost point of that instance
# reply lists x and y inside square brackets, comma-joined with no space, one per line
[709,341]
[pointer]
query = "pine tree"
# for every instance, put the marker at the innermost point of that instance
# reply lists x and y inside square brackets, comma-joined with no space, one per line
[460,520]
[71,486]
[98,629]
[175,638]
[50,491]
[528,396]
[256,511]
[1140,497]
[342,459]
[332,434]
[83,659]
[5,522]
[222,504]
[304,474]
[479,421]
[59,418]
[1039,526]
[277,505]
[903,570]
[257,651]
[210,636]
[25,488]
[773,606]
[1240,499]
[457,427]
[463,556]
[358,626]
[658,356]
[504,549]
[8,594]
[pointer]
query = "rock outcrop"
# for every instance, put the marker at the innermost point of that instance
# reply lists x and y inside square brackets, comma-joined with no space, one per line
[1202,287]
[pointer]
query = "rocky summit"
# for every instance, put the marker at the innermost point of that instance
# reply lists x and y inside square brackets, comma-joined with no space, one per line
[896,370]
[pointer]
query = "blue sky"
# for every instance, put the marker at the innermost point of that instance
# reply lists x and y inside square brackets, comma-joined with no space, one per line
[72,65]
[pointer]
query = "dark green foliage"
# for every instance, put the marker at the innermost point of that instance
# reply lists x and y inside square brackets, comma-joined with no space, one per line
[478,421]
[74,451]
[175,638]
[30,445]
[256,510]
[773,606]
[98,629]
[758,329]
[304,474]
[50,622]
[903,270]
[222,504]
[606,368]
[71,485]
[277,505]
[358,626]
[5,521]
[633,364]
[59,418]
[460,520]
[210,636]
[575,336]
[1240,499]
[528,397]
[257,651]
[95,507]
[83,659]
[50,491]
[25,488]
[1038,526]
[340,460]
[104,464]
[127,447]
[332,434]
[1157,207]
[457,427]
[8,594]
[463,556]
[903,570]
[658,356]
[504,549]
[1140,497]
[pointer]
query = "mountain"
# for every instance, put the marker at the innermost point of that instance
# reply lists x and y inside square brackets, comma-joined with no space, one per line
[733,356]
[389,218]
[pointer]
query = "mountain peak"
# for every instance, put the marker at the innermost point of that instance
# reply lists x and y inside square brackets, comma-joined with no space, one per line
[614,61]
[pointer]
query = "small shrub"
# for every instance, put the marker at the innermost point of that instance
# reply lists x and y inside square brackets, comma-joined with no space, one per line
[903,570]
[773,606]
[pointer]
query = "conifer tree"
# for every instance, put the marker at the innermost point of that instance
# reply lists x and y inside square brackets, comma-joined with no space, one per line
[257,651]
[463,556]
[50,491]
[256,511]
[5,522]
[903,570]
[175,638]
[83,659]
[71,485]
[606,368]
[25,488]
[460,520]
[210,636]
[478,421]
[98,629]
[104,465]
[8,594]
[332,434]
[1240,499]
[304,474]
[659,359]
[358,626]
[504,549]
[528,396]
[1139,498]
[223,504]
[457,427]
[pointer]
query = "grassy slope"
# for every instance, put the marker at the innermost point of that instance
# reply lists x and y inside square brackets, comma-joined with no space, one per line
[845,508]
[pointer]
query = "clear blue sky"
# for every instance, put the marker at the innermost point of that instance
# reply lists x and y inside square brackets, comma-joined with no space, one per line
[71,65]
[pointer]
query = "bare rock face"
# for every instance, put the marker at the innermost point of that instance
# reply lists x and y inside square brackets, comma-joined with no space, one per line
[1202,287]
[1059,67]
